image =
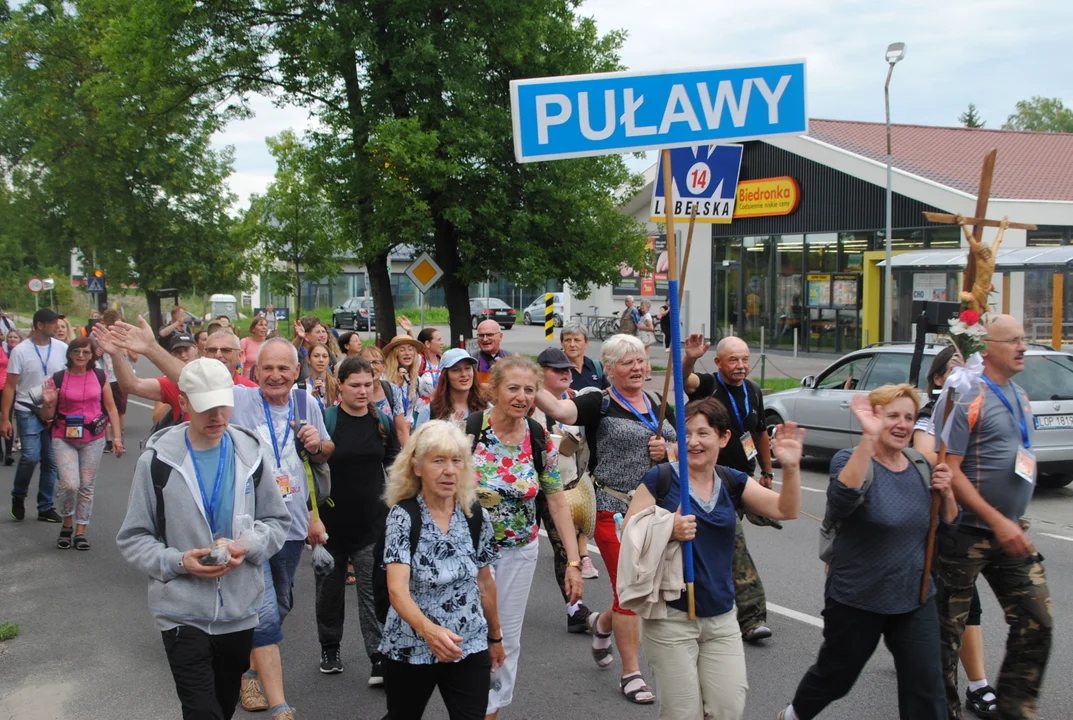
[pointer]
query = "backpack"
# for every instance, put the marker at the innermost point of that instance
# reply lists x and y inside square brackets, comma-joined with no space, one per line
[331,417]
[381,596]
[829,528]
[160,472]
[538,438]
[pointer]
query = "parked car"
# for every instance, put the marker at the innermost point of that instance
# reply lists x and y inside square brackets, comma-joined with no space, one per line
[357,313]
[534,313]
[821,404]
[189,318]
[492,309]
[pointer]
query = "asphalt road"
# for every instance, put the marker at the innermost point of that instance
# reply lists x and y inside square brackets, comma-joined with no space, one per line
[88,649]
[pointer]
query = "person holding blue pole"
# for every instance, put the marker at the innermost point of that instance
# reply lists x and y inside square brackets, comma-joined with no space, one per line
[699,662]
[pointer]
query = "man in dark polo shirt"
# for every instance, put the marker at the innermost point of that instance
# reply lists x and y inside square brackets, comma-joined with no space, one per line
[584,371]
[748,446]
[990,452]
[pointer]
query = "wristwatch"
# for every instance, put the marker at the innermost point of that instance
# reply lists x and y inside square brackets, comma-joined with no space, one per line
[574,564]
[766,474]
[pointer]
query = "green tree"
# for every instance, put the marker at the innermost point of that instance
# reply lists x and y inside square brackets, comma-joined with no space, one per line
[293,222]
[1042,115]
[971,118]
[111,116]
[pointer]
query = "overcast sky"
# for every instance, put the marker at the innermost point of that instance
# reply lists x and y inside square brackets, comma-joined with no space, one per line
[989,52]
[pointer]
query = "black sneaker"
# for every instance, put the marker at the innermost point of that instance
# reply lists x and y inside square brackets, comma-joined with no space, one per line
[18,508]
[49,515]
[330,664]
[108,446]
[376,676]
[577,623]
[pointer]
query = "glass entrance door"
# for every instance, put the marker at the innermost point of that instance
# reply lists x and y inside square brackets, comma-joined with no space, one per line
[726,300]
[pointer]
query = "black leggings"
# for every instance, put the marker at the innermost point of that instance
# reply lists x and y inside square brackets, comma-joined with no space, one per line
[463,686]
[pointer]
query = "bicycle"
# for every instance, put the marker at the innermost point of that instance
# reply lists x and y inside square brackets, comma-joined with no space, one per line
[607,326]
[590,324]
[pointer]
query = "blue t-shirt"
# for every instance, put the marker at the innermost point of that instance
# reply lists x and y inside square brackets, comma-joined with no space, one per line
[207,463]
[713,547]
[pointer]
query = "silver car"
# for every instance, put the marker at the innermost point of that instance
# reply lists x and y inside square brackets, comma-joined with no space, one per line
[821,404]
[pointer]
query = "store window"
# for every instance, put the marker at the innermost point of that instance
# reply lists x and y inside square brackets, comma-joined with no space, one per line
[823,252]
[944,237]
[757,256]
[1039,294]
[789,288]
[854,246]
[1047,238]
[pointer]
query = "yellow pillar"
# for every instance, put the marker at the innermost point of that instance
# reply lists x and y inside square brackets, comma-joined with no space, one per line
[1005,293]
[1056,310]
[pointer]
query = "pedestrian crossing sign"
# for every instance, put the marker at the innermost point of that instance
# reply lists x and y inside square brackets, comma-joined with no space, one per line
[94,284]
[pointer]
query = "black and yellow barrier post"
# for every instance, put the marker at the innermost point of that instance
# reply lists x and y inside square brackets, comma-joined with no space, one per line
[549,316]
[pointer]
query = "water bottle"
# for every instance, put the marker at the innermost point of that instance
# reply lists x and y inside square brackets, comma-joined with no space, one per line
[618,526]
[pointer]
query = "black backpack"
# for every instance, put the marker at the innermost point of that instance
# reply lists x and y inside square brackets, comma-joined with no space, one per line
[537,438]
[160,472]
[102,378]
[381,597]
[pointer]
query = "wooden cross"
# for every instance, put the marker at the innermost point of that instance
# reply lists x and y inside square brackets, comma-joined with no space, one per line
[981,259]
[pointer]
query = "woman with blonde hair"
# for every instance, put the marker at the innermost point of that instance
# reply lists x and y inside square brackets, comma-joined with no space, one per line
[402,358]
[387,397]
[514,459]
[442,629]
[880,498]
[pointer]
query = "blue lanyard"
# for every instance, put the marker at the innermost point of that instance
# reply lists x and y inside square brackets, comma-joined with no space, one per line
[44,360]
[734,403]
[210,507]
[1020,419]
[649,422]
[272,428]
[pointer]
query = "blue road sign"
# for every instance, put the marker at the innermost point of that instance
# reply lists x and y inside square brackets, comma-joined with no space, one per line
[582,115]
[94,284]
[706,177]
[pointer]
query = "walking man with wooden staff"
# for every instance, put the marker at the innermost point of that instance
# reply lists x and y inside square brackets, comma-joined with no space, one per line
[989,439]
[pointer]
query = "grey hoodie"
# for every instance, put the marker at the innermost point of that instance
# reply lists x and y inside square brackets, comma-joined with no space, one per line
[215,606]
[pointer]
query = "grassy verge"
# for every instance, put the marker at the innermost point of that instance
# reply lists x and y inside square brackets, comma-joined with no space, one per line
[779,384]
[8,631]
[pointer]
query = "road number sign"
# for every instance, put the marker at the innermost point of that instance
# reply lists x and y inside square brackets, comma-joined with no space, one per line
[35,285]
[706,177]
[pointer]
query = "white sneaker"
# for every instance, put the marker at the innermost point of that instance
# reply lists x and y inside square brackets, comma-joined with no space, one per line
[588,570]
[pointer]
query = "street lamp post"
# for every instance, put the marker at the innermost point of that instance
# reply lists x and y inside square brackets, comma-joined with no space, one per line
[895,52]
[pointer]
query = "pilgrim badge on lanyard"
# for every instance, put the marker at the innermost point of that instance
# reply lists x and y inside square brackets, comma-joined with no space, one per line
[74,427]
[1025,467]
[748,445]
[284,482]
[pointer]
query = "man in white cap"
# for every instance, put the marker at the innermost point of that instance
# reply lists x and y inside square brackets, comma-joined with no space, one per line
[201,524]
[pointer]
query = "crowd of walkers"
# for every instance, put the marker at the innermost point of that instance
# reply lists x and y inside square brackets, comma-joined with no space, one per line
[422,475]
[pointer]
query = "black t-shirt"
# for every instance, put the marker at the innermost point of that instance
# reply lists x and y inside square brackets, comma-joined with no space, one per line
[733,455]
[357,466]
[589,376]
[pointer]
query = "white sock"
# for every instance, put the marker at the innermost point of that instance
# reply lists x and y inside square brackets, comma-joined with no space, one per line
[975,685]
[789,713]
[571,609]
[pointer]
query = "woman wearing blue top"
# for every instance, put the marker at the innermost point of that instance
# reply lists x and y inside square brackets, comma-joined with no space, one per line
[877,563]
[442,630]
[700,664]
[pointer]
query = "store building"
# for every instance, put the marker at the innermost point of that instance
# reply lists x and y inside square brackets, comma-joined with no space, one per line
[814,271]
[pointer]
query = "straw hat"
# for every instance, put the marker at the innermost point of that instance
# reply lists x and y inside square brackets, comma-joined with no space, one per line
[400,340]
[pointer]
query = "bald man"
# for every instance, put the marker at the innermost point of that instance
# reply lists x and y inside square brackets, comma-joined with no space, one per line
[489,336]
[748,446]
[990,454]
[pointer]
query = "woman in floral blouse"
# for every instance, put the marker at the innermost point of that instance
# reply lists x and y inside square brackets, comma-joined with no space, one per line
[442,629]
[507,485]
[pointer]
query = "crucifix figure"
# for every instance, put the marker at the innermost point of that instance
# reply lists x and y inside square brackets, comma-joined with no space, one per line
[974,289]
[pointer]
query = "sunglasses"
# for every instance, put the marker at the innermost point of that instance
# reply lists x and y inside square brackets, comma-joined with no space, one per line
[82,351]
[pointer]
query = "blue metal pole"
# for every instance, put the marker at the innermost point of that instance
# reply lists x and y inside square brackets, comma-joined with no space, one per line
[680,424]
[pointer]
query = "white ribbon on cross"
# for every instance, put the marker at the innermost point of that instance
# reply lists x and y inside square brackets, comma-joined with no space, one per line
[959,381]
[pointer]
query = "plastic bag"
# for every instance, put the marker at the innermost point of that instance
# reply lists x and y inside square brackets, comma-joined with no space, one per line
[220,555]
[323,562]
[245,538]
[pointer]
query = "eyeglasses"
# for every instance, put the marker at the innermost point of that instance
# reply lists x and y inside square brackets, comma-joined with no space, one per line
[1012,341]
[226,352]
[488,335]
[82,351]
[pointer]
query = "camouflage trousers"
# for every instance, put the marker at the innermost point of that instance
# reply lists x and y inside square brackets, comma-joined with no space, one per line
[749,591]
[1021,588]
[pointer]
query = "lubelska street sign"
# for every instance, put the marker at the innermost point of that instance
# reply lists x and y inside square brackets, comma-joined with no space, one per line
[706,177]
[609,113]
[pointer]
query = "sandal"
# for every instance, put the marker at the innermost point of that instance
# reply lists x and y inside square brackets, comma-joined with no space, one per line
[64,540]
[978,703]
[81,542]
[350,577]
[603,656]
[641,694]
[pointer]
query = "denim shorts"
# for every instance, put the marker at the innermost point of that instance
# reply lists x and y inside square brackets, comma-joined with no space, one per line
[279,594]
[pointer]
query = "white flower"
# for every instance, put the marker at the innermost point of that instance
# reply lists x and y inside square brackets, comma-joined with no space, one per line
[957,327]
[978,330]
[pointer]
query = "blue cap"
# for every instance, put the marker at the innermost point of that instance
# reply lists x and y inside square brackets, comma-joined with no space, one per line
[454,356]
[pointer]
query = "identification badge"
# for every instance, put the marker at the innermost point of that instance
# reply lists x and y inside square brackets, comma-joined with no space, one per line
[748,445]
[284,483]
[1026,465]
[73,428]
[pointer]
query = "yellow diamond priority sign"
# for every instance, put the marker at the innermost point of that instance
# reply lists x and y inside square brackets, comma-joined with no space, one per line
[424,273]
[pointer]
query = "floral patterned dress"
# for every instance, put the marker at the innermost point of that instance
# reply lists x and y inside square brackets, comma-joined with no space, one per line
[507,484]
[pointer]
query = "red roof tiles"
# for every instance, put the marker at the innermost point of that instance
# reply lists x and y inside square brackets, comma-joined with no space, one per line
[1030,165]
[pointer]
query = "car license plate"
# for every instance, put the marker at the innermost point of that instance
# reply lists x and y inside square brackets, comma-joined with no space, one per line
[1053,422]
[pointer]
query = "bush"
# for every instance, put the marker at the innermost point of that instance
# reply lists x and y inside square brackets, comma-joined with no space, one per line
[8,631]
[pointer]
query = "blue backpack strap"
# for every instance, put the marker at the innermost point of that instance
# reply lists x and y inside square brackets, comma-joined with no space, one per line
[331,414]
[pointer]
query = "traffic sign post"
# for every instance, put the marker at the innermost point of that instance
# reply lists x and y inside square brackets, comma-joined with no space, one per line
[612,113]
[94,285]
[35,285]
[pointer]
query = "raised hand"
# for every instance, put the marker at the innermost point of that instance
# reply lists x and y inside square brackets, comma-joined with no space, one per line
[695,347]
[106,341]
[299,330]
[49,393]
[788,445]
[136,339]
[866,415]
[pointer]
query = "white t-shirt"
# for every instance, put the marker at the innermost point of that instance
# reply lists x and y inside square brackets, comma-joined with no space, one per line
[108,365]
[250,413]
[31,363]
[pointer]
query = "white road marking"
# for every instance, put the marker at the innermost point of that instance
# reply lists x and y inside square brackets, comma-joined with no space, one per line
[803,487]
[136,402]
[777,609]
[1057,537]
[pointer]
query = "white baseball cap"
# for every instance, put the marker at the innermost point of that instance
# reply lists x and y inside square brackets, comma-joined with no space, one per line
[207,383]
